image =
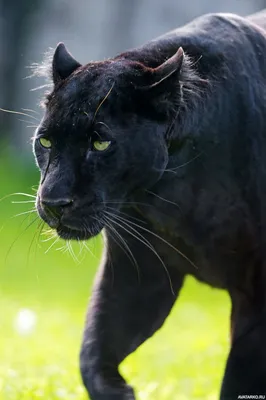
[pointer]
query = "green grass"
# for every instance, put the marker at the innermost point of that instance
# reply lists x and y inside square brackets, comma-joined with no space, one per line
[184,360]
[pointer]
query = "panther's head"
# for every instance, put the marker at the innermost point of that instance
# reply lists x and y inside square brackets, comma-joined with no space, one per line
[102,138]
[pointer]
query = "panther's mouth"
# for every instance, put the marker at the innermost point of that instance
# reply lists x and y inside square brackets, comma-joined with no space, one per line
[73,226]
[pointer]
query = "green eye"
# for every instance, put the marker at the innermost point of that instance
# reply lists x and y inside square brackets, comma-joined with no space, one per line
[45,143]
[101,146]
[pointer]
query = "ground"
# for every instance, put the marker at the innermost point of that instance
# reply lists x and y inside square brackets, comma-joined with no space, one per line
[43,299]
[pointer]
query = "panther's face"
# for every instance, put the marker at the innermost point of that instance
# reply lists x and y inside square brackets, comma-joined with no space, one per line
[101,140]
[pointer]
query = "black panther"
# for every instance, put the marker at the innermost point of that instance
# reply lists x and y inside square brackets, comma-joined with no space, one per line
[163,148]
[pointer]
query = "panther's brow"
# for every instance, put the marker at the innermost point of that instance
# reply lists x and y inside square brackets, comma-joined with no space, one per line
[106,126]
[103,100]
[41,131]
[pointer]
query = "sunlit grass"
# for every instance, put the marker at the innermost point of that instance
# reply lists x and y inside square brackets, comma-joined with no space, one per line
[184,360]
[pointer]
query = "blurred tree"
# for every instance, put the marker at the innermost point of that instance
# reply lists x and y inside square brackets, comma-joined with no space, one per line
[16,28]
[121,19]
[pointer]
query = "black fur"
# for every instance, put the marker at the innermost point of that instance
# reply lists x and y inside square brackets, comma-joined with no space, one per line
[180,190]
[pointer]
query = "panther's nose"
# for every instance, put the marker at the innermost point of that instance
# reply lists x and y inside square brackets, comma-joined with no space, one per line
[55,207]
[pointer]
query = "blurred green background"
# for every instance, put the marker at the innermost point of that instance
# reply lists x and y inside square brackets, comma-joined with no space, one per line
[43,298]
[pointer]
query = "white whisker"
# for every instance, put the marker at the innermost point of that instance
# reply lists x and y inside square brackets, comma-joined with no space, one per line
[50,238]
[23,213]
[128,216]
[149,245]
[163,199]
[185,164]
[49,248]
[71,252]
[23,202]
[18,113]
[124,243]
[17,194]
[29,110]
[166,242]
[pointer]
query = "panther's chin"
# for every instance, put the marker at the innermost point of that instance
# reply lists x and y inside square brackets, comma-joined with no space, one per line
[67,233]
[72,234]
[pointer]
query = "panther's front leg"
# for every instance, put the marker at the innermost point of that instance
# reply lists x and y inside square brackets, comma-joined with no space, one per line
[130,301]
[245,372]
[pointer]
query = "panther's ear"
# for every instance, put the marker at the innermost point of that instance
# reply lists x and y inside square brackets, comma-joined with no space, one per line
[63,63]
[160,88]
[155,76]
